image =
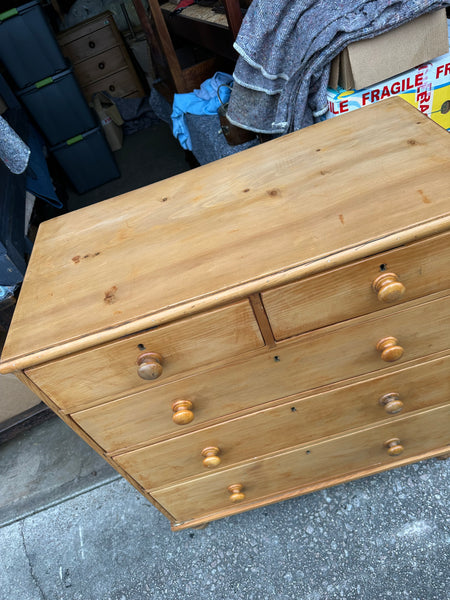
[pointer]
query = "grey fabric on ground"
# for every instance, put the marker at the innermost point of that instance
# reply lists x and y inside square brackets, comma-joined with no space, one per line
[286,48]
[136,113]
[13,150]
[160,106]
[208,142]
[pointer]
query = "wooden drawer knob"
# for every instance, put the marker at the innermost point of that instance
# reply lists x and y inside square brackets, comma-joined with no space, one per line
[388,287]
[212,458]
[392,403]
[394,448]
[236,494]
[182,412]
[150,365]
[389,349]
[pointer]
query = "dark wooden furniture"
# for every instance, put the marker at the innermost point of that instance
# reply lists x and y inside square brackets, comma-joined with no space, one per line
[214,32]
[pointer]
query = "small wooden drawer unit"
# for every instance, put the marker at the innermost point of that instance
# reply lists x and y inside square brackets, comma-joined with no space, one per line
[258,328]
[100,59]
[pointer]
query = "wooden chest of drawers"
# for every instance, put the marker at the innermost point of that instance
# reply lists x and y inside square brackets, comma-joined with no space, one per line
[100,58]
[261,327]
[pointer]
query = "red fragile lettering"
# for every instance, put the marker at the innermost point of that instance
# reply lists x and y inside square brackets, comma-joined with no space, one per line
[332,108]
[400,85]
[424,96]
[418,79]
[365,98]
[443,70]
[338,109]
[385,93]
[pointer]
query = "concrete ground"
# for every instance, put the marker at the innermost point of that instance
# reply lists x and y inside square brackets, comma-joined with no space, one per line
[70,529]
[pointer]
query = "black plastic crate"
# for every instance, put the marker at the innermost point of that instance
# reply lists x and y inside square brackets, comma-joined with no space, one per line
[87,160]
[58,106]
[28,47]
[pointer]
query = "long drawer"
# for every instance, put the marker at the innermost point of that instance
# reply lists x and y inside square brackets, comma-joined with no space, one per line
[298,468]
[89,45]
[422,268]
[100,66]
[295,422]
[313,360]
[119,84]
[90,377]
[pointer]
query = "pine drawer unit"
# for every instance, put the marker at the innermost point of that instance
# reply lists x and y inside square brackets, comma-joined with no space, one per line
[100,59]
[258,328]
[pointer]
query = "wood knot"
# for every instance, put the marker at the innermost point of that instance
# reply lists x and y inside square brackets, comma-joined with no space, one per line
[110,295]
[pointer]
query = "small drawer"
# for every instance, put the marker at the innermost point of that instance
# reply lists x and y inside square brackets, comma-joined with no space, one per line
[120,85]
[296,422]
[109,371]
[310,466]
[89,45]
[400,275]
[100,66]
[293,367]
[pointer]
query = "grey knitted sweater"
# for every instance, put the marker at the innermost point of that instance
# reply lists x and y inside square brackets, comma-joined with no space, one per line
[286,47]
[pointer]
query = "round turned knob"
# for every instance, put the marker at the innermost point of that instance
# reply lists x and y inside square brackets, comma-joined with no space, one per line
[101,65]
[91,44]
[394,448]
[389,349]
[392,403]
[182,412]
[212,458]
[150,365]
[112,88]
[236,494]
[388,287]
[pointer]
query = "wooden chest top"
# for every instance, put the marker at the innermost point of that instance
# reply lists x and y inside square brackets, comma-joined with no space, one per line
[335,192]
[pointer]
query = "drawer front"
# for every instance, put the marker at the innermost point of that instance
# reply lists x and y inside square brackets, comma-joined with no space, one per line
[120,84]
[111,370]
[290,424]
[292,368]
[100,66]
[86,28]
[312,361]
[296,469]
[90,45]
[341,294]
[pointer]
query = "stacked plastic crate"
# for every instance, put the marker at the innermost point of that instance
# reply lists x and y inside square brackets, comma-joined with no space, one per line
[47,87]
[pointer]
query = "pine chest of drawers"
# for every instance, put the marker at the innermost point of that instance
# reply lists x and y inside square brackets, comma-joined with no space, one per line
[261,327]
[100,58]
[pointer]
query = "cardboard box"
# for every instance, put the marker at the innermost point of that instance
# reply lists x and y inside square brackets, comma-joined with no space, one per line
[367,62]
[427,88]
[110,119]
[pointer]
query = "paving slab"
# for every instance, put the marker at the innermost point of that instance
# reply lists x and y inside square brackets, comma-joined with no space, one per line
[386,536]
[46,465]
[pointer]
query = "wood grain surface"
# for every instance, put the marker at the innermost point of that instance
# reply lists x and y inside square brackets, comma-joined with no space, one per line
[418,433]
[287,425]
[335,192]
[341,294]
[111,370]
